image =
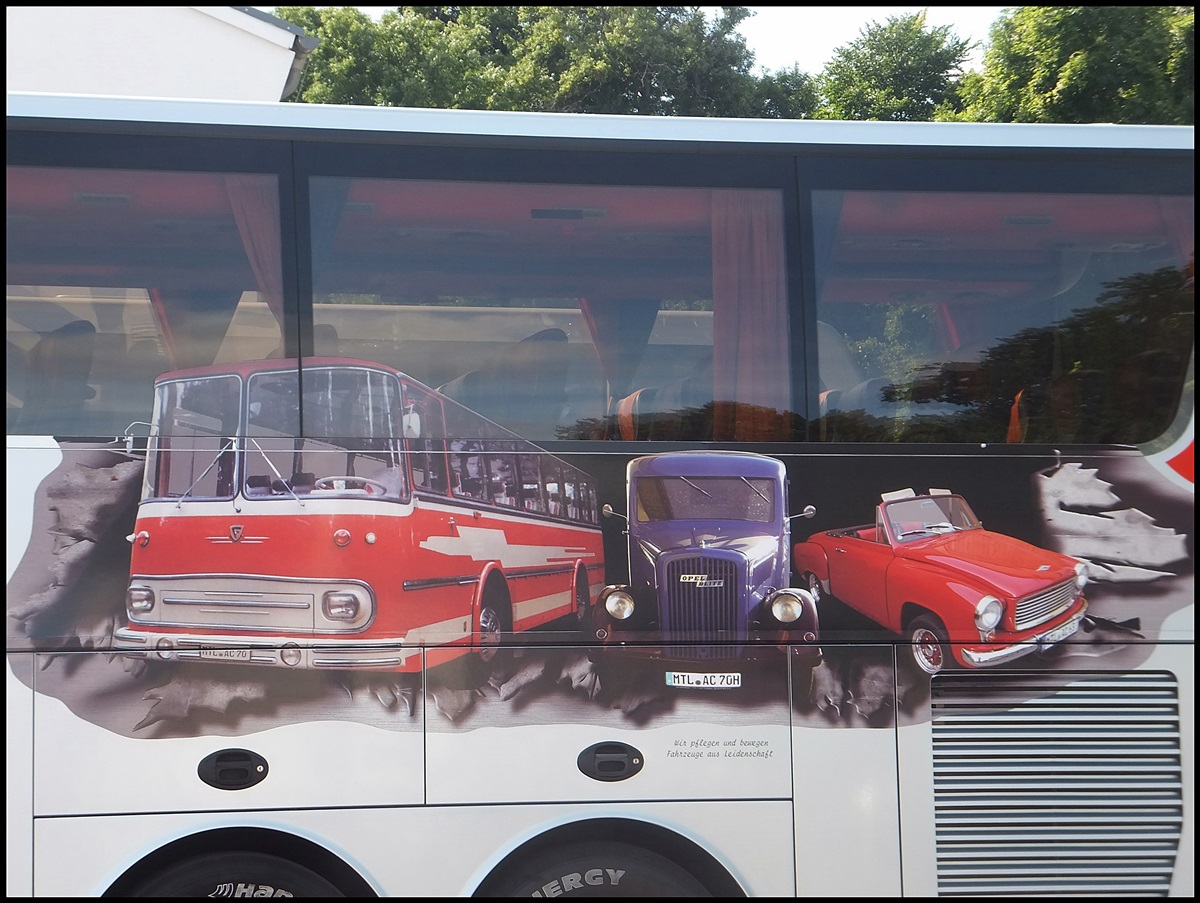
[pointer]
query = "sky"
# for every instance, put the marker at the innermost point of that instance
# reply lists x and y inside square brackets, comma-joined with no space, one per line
[782,36]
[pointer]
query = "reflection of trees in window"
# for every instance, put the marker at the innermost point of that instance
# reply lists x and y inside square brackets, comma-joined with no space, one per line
[1111,372]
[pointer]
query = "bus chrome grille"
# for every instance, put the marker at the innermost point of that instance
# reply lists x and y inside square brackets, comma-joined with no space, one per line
[1041,607]
[1056,784]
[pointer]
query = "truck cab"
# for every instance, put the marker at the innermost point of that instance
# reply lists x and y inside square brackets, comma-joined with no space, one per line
[708,544]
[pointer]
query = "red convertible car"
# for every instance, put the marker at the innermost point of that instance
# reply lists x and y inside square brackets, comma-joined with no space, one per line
[926,569]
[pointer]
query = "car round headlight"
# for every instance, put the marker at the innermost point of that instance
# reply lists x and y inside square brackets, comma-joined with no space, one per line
[787,606]
[619,604]
[988,612]
[1081,575]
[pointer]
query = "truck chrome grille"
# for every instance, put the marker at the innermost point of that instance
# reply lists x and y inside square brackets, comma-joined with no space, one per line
[1056,784]
[704,610]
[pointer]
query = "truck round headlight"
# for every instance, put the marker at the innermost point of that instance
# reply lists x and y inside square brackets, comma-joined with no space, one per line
[619,604]
[1081,575]
[988,612]
[787,605]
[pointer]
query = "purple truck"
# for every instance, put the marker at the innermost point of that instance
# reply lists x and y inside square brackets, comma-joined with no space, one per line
[709,561]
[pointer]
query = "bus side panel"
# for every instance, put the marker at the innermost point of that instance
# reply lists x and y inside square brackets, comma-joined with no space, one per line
[536,723]
[844,773]
[337,756]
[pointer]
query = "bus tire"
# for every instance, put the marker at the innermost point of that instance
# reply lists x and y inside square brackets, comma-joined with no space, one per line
[583,605]
[233,874]
[492,634]
[600,868]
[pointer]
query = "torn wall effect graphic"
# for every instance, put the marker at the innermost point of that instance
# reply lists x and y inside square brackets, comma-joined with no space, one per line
[67,592]
[1084,519]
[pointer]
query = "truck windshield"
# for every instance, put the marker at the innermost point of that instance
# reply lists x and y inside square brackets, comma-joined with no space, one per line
[705,498]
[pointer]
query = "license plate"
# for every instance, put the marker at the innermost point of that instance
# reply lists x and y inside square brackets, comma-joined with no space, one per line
[1058,634]
[704,681]
[226,655]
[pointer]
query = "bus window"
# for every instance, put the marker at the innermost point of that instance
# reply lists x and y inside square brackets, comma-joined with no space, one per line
[425,439]
[576,298]
[1002,317]
[116,276]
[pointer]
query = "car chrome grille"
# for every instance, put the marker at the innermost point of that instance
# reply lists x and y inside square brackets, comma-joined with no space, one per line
[1041,607]
[1056,784]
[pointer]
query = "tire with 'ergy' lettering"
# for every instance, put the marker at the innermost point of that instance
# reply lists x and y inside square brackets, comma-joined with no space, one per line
[235,875]
[594,869]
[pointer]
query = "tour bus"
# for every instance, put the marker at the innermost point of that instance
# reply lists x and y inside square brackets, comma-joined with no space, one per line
[312,413]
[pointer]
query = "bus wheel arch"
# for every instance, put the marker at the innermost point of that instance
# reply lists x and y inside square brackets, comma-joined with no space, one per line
[194,865]
[583,599]
[649,860]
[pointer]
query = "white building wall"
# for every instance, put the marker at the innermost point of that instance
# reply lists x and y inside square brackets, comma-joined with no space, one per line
[209,52]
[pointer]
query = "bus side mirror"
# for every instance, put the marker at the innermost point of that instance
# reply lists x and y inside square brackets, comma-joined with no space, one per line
[809,511]
[608,511]
[412,426]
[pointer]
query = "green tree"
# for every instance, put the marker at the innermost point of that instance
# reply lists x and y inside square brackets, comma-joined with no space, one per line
[1086,64]
[901,70]
[658,60]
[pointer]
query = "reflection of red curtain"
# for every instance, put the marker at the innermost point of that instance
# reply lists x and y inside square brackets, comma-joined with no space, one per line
[255,203]
[751,362]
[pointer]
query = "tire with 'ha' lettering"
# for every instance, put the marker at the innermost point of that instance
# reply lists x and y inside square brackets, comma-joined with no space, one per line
[235,874]
[594,869]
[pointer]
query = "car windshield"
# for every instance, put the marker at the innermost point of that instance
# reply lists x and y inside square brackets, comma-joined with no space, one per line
[919,518]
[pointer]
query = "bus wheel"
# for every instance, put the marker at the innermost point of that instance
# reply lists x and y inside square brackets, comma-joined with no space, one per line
[583,604]
[236,874]
[492,632]
[929,644]
[595,869]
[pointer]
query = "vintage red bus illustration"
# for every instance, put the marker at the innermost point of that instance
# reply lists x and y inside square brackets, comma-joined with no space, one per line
[401,520]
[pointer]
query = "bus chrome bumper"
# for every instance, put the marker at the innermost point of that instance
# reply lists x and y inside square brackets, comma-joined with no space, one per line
[377,656]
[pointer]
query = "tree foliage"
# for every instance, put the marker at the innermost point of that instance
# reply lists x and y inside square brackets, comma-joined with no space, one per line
[901,70]
[1043,64]
[658,60]
[1086,64]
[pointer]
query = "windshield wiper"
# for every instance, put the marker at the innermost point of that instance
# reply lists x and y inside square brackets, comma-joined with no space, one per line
[762,495]
[697,488]
[224,448]
[275,470]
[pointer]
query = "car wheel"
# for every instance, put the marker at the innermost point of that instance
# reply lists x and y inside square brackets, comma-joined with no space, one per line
[813,582]
[231,874]
[594,869]
[929,644]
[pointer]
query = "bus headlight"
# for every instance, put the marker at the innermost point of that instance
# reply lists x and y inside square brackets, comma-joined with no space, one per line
[340,606]
[619,604]
[1081,575]
[988,612]
[787,605]
[139,599]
